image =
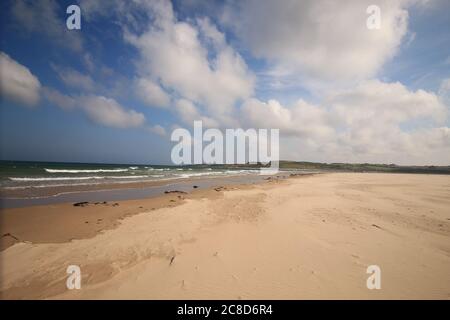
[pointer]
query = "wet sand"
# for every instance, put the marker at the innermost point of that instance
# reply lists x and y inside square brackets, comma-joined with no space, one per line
[303,237]
[89,213]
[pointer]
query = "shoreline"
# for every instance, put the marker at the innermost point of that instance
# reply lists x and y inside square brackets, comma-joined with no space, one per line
[297,238]
[28,223]
[45,195]
[125,191]
[11,194]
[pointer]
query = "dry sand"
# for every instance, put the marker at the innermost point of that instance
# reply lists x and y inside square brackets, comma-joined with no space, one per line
[305,237]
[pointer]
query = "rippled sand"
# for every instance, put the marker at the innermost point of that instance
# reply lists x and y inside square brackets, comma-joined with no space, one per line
[304,237]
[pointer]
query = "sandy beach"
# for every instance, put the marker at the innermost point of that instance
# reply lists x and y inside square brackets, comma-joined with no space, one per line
[304,237]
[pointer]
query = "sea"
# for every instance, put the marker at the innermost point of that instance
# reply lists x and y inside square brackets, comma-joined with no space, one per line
[21,175]
[39,183]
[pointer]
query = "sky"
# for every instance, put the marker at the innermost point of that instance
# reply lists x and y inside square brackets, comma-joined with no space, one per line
[338,91]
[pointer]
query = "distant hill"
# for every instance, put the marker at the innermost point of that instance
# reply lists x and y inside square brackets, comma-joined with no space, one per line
[363,167]
[336,167]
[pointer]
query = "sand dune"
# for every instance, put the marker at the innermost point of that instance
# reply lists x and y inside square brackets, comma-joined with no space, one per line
[304,237]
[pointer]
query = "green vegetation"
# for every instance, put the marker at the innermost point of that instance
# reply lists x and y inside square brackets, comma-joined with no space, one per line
[363,167]
[335,167]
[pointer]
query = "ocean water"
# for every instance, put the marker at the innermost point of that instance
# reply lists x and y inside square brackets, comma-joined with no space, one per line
[23,175]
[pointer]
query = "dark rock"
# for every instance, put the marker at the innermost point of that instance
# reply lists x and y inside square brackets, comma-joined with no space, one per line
[81,204]
[175,191]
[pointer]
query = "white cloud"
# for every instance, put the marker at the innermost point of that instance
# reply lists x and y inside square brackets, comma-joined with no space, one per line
[58,99]
[188,113]
[193,61]
[74,78]
[302,119]
[373,122]
[157,129]
[99,109]
[320,39]
[387,102]
[17,83]
[109,113]
[151,93]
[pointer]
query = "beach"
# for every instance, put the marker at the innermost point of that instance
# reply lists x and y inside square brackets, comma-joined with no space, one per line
[303,237]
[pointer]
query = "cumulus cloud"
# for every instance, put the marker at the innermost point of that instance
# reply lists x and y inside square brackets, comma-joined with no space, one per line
[389,102]
[74,78]
[188,113]
[302,119]
[109,112]
[157,129]
[321,39]
[20,85]
[193,60]
[17,83]
[373,122]
[151,93]
[58,99]
[99,109]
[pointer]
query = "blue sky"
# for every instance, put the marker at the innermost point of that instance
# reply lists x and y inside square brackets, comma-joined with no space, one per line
[113,91]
